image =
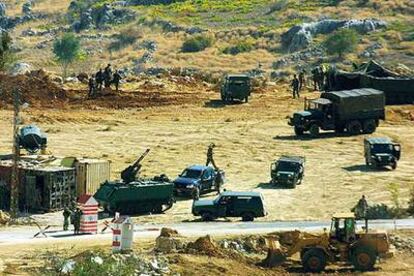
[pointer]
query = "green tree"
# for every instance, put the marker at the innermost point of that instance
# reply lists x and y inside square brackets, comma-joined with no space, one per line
[6,55]
[67,50]
[341,42]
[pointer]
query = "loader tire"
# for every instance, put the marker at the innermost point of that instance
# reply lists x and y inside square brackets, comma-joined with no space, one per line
[314,260]
[363,258]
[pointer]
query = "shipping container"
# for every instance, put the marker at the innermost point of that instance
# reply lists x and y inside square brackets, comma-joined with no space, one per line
[90,174]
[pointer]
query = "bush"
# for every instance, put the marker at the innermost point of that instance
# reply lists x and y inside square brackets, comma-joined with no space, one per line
[410,209]
[6,55]
[67,49]
[341,42]
[123,39]
[240,47]
[197,44]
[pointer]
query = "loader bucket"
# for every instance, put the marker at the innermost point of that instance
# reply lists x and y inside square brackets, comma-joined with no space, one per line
[275,254]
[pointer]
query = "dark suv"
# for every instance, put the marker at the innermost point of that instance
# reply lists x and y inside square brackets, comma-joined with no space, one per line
[288,171]
[381,152]
[247,205]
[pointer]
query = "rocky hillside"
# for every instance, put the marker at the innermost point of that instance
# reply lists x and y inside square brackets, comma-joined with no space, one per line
[259,36]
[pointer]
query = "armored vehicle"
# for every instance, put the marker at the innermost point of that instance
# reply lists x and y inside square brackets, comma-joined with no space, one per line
[381,152]
[288,171]
[135,195]
[247,205]
[236,87]
[203,178]
[355,111]
[343,245]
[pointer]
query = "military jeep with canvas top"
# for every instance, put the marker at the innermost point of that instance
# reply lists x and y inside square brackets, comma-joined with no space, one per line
[381,152]
[236,87]
[287,171]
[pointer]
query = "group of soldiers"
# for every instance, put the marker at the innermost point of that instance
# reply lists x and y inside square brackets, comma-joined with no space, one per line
[319,78]
[72,215]
[103,78]
[218,180]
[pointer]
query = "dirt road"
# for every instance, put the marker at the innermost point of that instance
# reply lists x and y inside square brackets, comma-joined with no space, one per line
[248,137]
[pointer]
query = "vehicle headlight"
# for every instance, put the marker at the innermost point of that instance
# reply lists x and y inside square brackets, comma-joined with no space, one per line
[290,175]
[190,186]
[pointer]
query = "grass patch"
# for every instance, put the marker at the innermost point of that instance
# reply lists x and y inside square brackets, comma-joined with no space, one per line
[124,39]
[197,43]
[239,47]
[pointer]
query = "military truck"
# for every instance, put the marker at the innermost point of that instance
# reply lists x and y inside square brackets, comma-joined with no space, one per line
[355,111]
[135,195]
[381,152]
[247,205]
[204,178]
[236,87]
[287,171]
[342,245]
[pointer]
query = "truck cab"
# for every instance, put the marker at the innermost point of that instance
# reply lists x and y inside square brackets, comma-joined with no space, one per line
[247,205]
[203,178]
[381,152]
[288,171]
[235,87]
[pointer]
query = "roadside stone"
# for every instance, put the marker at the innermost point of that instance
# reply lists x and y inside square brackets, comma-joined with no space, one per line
[21,68]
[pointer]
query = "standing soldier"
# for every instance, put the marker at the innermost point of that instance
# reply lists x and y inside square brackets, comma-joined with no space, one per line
[302,82]
[66,215]
[116,78]
[195,193]
[218,181]
[361,208]
[76,220]
[99,78]
[210,154]
[108,76]
[295,86]
[92,86]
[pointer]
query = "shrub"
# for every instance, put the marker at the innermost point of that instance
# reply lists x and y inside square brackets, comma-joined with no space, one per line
[410,209]
[6,55]
[123,39]
[341,42]
[240,47]
[197,44]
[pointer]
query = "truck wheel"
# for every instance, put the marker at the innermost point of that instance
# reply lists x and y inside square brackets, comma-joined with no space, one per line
[369,126]
[314,130]
[314,260]
[363,258]
[394,165]
[299,131]
[354,127]
[157,209]
[206,216]
[293,185]
[248,217]
[246,99]
[339,129]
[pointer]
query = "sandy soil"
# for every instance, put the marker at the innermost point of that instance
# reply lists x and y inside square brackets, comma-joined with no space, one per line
[248,137]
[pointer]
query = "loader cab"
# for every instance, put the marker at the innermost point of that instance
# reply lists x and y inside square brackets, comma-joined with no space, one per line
[343,227]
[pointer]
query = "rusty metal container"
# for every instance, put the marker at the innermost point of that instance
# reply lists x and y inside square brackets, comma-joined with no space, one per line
[90,174]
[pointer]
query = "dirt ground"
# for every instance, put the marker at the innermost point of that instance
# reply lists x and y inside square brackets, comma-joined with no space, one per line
[248,137]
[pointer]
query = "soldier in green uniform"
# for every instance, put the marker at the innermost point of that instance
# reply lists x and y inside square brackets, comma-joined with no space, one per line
[210,154]
[76,221]
[361,208]
[295,86]
[66,216]
[195,193]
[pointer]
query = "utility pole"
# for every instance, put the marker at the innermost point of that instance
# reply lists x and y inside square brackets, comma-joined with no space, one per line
[14,187]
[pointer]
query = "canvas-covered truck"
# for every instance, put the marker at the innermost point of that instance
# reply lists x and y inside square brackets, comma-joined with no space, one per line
[138,197]
[236,87]
[354,111]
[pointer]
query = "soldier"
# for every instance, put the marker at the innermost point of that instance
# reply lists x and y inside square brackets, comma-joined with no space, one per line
[76,220]
[302,81]
[108,76]
[218,182]
[99,78]
[361,207]
[295,86]
[66,214]
[116,78]
[210,156]
[195,193]
[92,86]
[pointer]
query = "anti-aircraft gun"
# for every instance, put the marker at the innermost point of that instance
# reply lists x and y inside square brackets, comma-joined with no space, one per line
[134,194]
[129,174]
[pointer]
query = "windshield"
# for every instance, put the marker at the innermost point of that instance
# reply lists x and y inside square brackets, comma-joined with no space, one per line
[189,173]
[286,166]
[381,148]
